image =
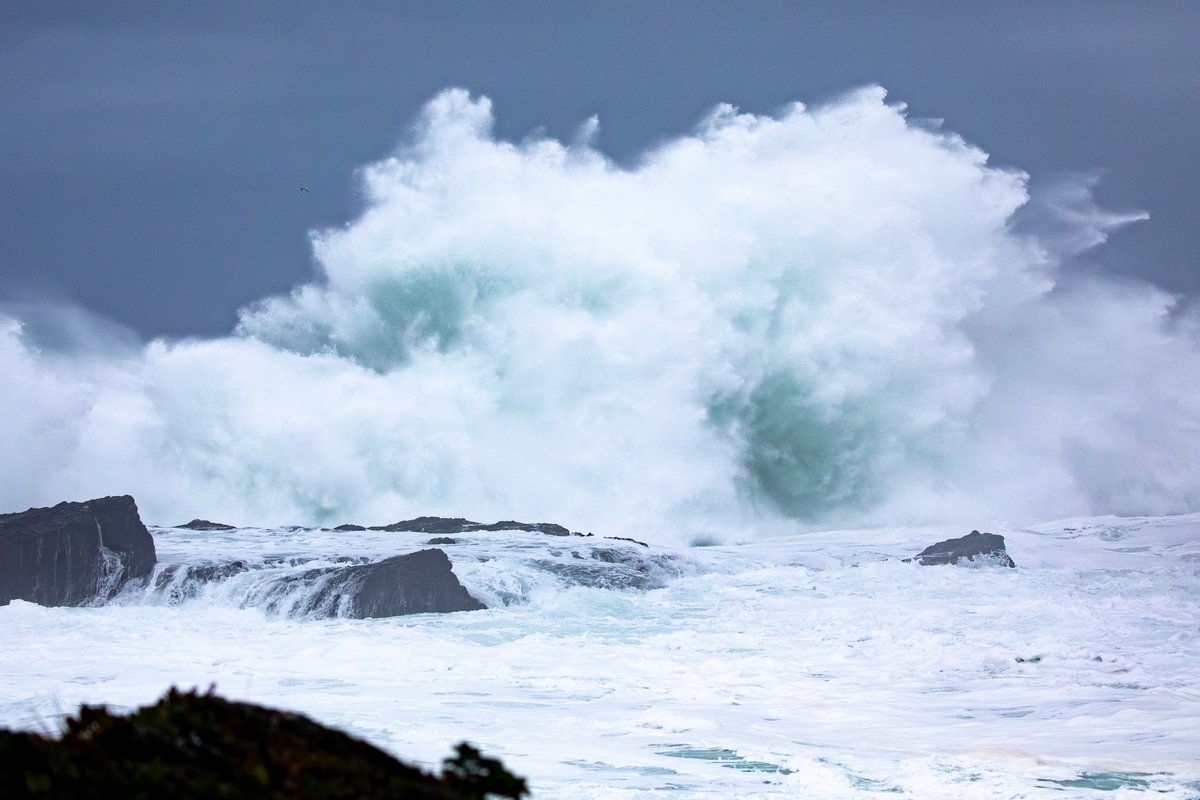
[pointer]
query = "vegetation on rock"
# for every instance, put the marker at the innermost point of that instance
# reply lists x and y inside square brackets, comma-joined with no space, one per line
[193,746]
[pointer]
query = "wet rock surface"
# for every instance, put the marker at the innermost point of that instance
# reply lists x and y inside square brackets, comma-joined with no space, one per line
[53,567]
[73,553]
[613,568]
[416,583]
[460,525]
[974,548]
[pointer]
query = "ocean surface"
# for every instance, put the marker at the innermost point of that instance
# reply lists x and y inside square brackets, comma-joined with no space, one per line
[816,664]
[785,350]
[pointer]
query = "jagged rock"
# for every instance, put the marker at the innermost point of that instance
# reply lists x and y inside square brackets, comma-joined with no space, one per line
[975,547]
[190,746]
[442,540]
[416,583]
[625,539]
[205,525]
[74,553]
[349,528]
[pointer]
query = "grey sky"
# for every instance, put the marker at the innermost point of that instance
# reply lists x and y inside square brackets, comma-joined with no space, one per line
[152,153]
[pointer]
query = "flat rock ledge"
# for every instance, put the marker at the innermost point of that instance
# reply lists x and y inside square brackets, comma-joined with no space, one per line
[974,548]
[73,554]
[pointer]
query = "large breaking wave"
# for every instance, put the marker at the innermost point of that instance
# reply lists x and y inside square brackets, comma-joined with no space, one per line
[826,315]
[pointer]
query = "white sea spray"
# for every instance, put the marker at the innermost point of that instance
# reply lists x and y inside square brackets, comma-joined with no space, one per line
[828,315]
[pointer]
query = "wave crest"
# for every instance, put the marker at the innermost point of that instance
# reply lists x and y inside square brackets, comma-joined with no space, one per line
[824,314]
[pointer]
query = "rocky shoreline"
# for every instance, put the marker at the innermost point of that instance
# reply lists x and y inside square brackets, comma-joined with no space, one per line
[79,554]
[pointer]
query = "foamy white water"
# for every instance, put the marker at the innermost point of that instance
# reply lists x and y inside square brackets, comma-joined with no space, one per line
[812,665]
[831,314]
[831,319]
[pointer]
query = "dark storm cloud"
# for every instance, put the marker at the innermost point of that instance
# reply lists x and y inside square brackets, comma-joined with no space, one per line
[153,154]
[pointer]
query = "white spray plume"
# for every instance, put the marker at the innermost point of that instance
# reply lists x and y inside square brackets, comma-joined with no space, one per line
[826,315]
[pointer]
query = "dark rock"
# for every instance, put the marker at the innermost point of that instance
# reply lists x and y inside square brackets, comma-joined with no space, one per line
[346,528]
[205,525]
[626,539]
[459,525]
[74,553]
[442,540]
[190,746]
[975,547]
[210,573]
[430,525]
[417,583]
[548,528]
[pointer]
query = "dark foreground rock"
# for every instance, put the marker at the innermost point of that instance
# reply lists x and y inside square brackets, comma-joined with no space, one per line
[975,547]
[192,746]
[416,583]
[74,553]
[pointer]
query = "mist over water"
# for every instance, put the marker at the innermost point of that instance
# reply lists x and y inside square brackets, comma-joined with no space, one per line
[831,315]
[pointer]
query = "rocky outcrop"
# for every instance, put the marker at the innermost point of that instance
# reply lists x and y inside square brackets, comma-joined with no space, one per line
[416,583]
[429,525]
[460,525]
[975,547]
[191,745]
[74,553]
[205,525]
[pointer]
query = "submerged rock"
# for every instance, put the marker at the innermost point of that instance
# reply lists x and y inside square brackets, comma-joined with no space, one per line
[975,547]
[613,568]
[191,745]
[179,582]
[74,553]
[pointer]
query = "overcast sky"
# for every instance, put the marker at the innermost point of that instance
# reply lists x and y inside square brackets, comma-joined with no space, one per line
[153,153]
